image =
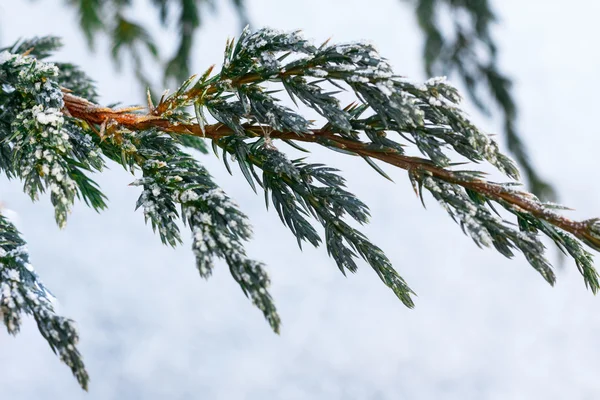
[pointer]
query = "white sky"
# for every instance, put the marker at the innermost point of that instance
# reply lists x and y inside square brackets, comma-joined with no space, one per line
[484,327]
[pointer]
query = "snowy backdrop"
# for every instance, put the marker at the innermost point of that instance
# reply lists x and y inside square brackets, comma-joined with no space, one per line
[484,327]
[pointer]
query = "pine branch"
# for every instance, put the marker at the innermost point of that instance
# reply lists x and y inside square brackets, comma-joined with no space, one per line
[217,225]
[51,138]
[445,53]
[417,167]
[22,292]
[467,49]
[428,113]
[46,152]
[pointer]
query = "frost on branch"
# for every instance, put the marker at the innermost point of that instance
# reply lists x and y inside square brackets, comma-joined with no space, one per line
[218,227]
[21,292]
[465,48]
[49,137]
[43,148]
[45,151]
[426,116]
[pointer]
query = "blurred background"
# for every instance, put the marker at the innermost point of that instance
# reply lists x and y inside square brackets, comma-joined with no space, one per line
[484,327]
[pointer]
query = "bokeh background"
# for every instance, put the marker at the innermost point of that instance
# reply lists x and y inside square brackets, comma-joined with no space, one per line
[484,327]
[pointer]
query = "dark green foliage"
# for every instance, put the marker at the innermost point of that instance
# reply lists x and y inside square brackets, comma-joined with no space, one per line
[299,191]
[40,48]
[51,140]
[193,142]
[565,242]
[47,152]
[486,228]
[22,292]
[70,76]
[427,113]
[445,52]
[218,227]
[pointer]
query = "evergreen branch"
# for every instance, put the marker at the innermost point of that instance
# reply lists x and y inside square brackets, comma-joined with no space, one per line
[46,151]
[467,49]
[584,230]
[69,76]
[50,135]
[427,112]
[295,195]
[22,292]
[218,227]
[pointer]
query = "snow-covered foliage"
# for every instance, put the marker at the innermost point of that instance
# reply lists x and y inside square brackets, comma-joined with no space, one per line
[458,41]
[51,136]
[39,146]
[21,292]
[218,228]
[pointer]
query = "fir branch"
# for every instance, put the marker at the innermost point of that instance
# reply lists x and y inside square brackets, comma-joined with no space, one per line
[22,292]
[50,137]
[218,227]
[47,151]
[428,113]
[467,49]
[521,200]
